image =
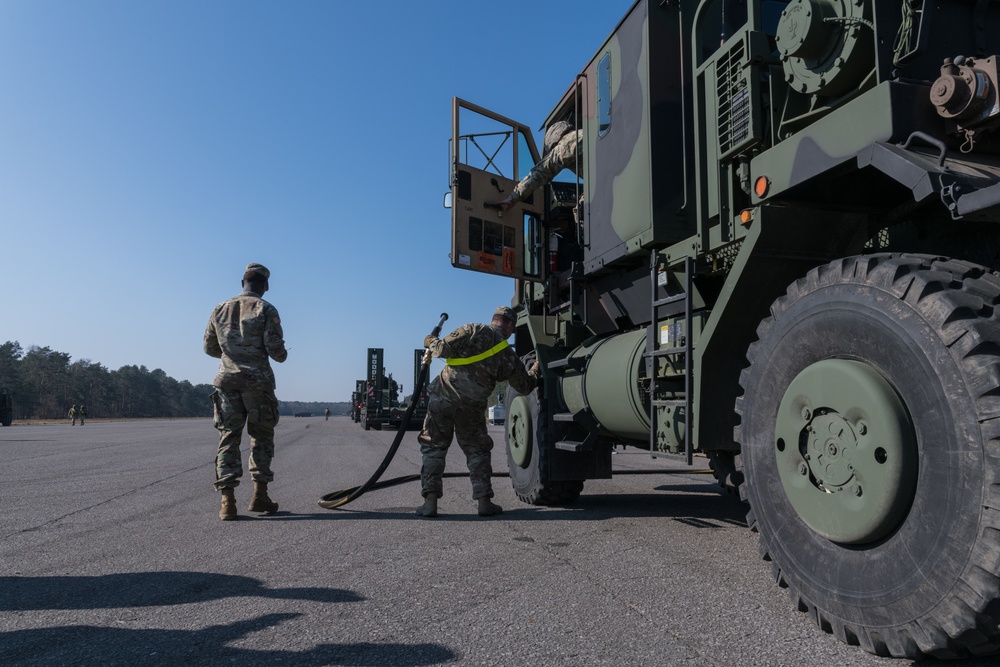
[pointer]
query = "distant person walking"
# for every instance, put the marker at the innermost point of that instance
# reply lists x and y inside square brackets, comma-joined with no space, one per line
[73,413]
[83,413]
[244,331]
[326,413]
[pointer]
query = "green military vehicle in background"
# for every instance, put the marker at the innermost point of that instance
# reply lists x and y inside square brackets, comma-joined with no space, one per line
[379,395]
[6,407]
[780,251]
[420,409]
[357,400]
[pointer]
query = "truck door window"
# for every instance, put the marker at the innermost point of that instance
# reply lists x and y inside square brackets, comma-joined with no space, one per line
[532,245]
[604,95]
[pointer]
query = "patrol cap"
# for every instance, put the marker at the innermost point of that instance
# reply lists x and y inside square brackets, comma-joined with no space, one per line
[554,134]
[504,311]
[258,270]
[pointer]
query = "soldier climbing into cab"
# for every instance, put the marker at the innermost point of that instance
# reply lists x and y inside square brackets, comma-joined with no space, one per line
[477,356]
[562,150]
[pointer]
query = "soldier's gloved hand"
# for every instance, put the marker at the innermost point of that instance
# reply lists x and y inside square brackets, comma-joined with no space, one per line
[534,368]
[429,340]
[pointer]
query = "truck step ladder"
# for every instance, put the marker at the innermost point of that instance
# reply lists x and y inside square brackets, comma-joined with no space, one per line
[666,306]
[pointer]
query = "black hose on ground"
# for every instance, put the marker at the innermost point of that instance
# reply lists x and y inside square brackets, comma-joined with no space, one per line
[327,500]
[341,498]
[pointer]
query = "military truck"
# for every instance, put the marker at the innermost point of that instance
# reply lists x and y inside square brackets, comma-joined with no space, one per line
[357,400]
[6,406]
[779,251]
[380,394]
[420,409]
[497,413]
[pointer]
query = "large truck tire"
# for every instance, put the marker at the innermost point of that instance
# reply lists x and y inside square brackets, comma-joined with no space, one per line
[525,436]
[871,451]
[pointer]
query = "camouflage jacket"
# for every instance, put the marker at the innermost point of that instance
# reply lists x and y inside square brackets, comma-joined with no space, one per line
[472,383]
[244,331]
[562,156]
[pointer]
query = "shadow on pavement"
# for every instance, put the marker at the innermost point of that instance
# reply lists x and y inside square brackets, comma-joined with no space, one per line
[687,505]
[89,645]
[146,589]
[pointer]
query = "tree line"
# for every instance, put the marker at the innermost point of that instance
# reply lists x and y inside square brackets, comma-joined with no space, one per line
[45,383]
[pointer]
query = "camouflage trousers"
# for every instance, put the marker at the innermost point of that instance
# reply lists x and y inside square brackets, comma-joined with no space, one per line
[257,409]
[443,420]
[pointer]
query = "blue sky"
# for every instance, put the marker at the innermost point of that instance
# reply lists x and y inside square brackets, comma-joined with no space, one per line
[150,150]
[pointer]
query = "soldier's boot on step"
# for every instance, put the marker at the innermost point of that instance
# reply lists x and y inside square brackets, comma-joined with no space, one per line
[228,510]
[260,502]
[430,506]
[488,508]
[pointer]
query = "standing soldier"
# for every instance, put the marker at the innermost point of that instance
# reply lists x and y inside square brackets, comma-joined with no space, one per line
[477,356]
[244,331]
[326,413]
[72,415]
[83,413]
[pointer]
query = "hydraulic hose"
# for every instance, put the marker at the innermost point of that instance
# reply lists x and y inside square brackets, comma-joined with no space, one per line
[341,498]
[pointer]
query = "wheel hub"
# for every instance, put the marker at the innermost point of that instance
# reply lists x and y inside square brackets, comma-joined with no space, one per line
[519,439]
[846,451]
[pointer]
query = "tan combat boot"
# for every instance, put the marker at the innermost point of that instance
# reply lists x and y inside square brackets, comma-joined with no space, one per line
[430,506]
[228,511]
[260,502]
[488,508]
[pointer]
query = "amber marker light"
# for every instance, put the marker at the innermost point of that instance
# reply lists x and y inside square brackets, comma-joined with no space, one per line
[746,216]
[760,186]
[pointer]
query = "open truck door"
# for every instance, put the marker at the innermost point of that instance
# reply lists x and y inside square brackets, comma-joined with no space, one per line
[489,155]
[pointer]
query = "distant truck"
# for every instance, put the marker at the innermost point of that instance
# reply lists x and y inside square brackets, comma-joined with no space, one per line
[6,407]
[420,409]
[380,394]
[357,400]
[496,414]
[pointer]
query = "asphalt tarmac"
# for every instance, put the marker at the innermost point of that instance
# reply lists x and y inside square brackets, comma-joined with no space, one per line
[111,553]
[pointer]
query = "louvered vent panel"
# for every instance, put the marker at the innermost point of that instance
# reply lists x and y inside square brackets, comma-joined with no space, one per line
[735,103]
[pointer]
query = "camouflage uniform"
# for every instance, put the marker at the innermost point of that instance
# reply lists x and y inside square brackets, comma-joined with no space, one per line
[244,331]
[562,155]
[458,398]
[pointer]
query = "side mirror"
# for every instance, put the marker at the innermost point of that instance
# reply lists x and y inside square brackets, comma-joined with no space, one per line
[447,200]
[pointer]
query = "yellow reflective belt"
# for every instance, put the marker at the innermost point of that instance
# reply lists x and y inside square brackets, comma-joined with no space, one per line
[463,361]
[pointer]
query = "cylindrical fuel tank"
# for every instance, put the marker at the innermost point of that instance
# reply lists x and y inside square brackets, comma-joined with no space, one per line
[608,384]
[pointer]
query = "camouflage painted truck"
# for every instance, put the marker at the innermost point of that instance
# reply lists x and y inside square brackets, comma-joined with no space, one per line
[780,252]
